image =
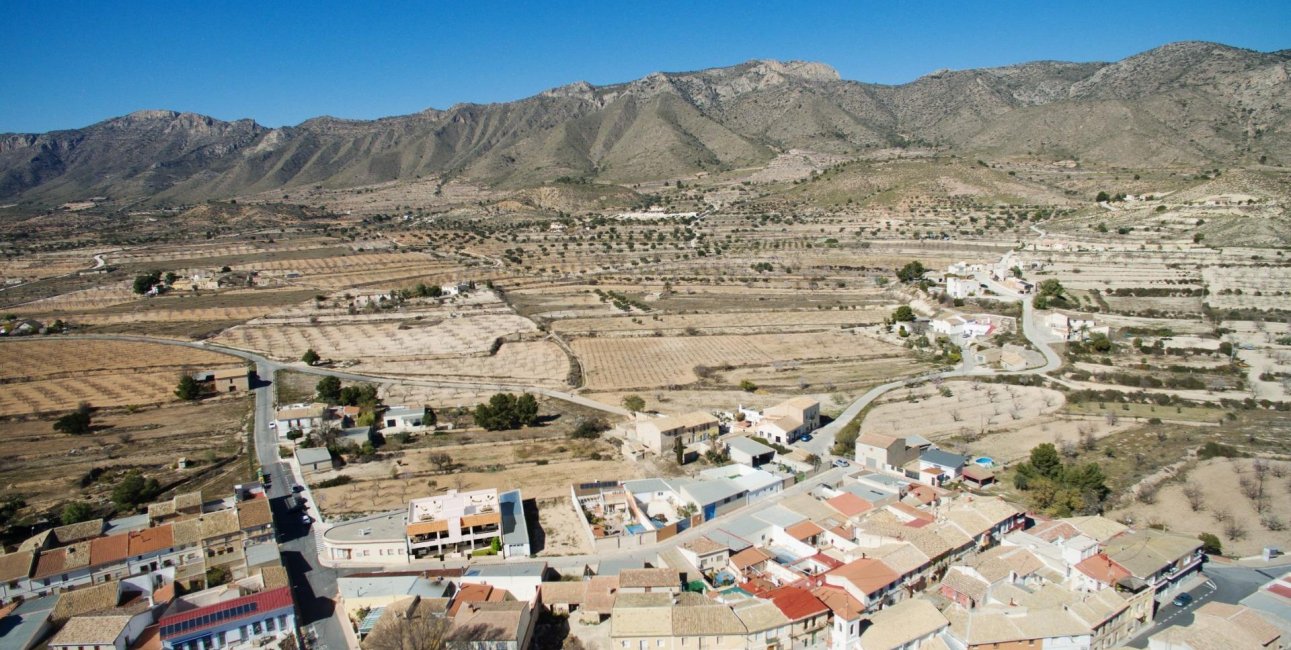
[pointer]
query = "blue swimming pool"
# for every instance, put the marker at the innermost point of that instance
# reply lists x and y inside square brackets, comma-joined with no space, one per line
[985,461]
[635,529]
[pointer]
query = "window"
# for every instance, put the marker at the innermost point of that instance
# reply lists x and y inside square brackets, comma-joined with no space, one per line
[268,624]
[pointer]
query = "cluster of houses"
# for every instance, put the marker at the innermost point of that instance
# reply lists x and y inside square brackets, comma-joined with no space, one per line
[918,459]
[870,560]
[185,575]
[699,431]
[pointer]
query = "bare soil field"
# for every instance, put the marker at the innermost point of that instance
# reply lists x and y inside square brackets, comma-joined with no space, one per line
[502,465]
[996,420]
[752,321]
[1224,509]
[412,340]
[611,364]
[46,467]
[540,363]
[49,375]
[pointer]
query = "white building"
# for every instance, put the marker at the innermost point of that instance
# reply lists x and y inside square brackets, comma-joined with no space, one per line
[789,420]
[957,287]
[398,419]
[303,417]
[455,522]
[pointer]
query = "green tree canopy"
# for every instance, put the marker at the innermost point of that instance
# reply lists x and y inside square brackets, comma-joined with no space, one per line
[911,272]
[359,395]
[903,314]
[329,390]
[633,403]
[77,423]
[1046,461]
[310,357]
[75,512]
[505,411]
[188,388]
[134,490]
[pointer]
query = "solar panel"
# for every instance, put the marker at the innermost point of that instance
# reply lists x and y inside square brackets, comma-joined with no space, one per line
[209,619]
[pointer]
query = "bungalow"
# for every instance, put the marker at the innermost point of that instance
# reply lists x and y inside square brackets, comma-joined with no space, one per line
[747,451]
[314,460]
[300,417]
[808,615]
[224,380]
[397,419]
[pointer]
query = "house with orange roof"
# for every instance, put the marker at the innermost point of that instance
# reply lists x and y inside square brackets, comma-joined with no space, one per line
[845,632]
[808,614]
[870,581]
[1098,572]
[849,505]
[805,531]
[148,546]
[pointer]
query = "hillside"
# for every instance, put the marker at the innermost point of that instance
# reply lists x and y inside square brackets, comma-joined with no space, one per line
[1181,104]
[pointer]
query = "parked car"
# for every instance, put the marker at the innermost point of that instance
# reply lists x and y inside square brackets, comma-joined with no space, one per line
[297,488]
[1182,600]
[306,519]
[806,437]
[839,462]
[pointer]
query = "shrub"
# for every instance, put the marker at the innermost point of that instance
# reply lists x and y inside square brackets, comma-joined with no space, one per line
[335,481]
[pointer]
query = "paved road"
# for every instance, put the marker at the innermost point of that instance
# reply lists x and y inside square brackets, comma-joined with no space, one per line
[1227,584]
[823,438]
[313,584]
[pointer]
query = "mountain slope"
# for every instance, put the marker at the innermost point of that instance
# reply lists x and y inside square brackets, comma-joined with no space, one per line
[1181,104]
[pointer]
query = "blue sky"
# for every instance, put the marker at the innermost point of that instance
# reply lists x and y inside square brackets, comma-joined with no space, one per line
[69,64]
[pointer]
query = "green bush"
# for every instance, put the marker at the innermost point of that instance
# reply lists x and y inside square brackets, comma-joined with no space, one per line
[335,481]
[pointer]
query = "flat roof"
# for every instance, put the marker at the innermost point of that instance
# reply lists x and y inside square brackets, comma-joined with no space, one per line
[749,446]
[515,528]
[385,527]
[509,569]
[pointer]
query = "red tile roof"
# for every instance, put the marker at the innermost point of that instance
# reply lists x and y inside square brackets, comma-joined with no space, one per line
[472,592]
[1281,590]
[749,557]
[264,602]
[1102,568]
[113,548]
[50,563]
[796,603]
[151,540]
[849,504]
[839,601]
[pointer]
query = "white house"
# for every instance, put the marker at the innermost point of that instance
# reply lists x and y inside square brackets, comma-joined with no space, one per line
[789,420]
[303,417]
[949,325]
[397,419]
[937,467]
[957,287]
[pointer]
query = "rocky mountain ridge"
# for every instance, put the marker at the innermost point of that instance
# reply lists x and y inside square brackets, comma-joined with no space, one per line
[1185,104]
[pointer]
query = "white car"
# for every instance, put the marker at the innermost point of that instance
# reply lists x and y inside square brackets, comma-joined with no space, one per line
[839,462]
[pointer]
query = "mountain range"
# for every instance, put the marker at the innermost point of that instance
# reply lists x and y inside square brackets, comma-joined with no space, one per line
[1184,104]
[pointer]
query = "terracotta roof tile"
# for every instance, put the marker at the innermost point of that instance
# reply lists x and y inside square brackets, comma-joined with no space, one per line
[105,550]
[849,505]
[14,566]
[151,540]
[797,603]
